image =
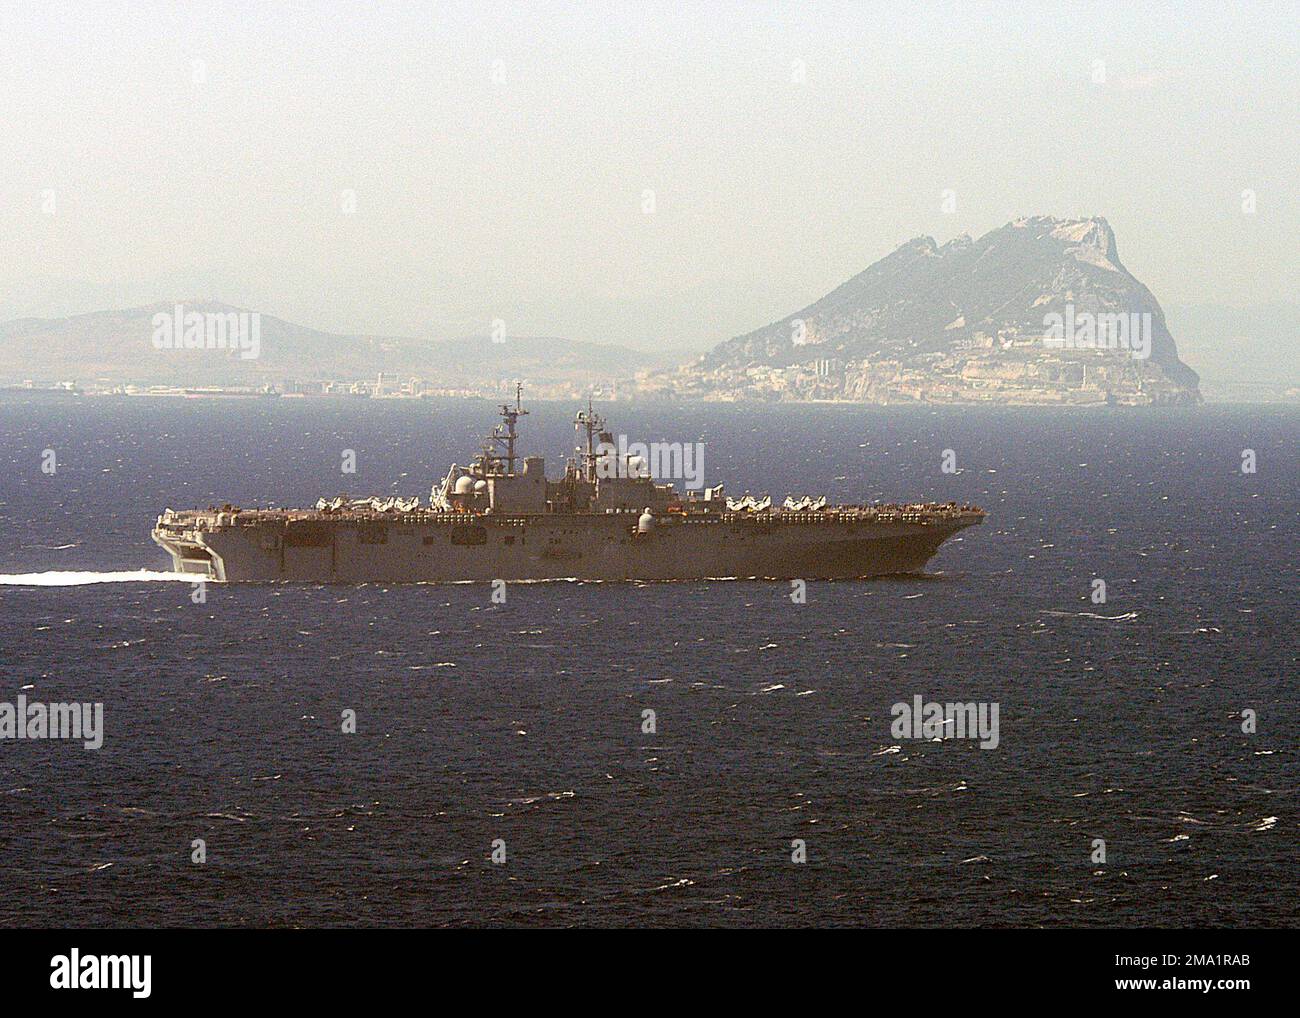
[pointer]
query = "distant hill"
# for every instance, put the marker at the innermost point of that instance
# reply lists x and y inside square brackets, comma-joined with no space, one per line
[960,322]
[118,346]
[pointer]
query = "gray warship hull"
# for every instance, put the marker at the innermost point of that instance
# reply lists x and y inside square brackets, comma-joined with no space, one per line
[605,518]
[295,546]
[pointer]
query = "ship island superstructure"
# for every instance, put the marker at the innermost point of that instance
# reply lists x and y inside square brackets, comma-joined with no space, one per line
[500,517]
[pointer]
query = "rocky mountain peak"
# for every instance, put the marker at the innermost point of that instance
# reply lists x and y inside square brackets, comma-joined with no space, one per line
[976,306]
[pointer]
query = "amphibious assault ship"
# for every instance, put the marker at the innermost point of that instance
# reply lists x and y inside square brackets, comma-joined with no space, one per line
[606,518]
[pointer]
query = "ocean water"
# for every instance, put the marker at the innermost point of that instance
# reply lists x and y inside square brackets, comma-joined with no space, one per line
[522,723]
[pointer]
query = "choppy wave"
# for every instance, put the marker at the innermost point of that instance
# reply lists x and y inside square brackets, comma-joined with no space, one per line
[76,579]
[1127,616]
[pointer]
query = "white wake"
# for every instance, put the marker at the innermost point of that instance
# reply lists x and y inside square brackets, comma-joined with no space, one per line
[76,579]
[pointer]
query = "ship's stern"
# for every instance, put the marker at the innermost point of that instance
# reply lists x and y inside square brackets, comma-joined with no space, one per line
[184,539]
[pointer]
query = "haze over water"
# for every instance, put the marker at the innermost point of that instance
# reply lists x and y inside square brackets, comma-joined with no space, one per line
[1119,721]
[654,175]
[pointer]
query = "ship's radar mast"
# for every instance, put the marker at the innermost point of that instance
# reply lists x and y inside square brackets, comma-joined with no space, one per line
[500,445]
[592,424]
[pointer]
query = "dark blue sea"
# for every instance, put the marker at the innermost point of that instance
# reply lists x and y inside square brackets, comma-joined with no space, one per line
[522,722]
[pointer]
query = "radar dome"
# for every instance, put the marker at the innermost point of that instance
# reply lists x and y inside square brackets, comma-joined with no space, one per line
[464,485]
[646,523]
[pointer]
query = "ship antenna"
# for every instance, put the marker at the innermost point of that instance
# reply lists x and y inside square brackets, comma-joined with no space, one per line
[591,452]
[509,414]
[591,423]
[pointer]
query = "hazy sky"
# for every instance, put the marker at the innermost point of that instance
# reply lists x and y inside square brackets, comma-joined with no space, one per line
[500,154]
